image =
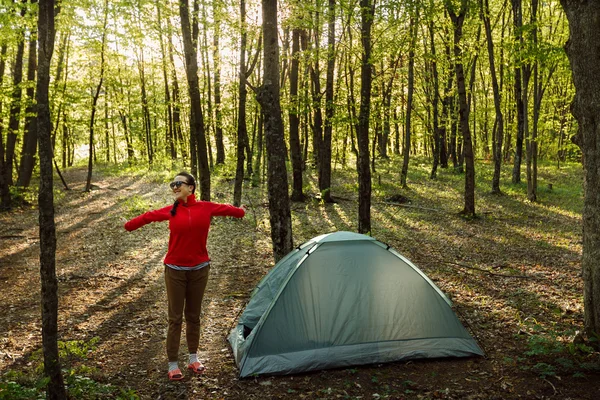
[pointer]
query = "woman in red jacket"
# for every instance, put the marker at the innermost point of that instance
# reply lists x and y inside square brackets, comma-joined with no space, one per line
[187,264]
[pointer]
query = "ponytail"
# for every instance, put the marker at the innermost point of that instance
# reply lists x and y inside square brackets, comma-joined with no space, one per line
[174,209]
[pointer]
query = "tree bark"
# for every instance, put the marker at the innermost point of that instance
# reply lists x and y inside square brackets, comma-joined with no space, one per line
[325,150]
[367,12]
[197,136]
[409,103]
[531,139]
[46,32]
[242,130]
[217,85]
[499,123]
[518,24]
[457,21]
[88,184]
[268,98]
[177,132]
[437,134]
[170,149]
[15,109]
[145,109]
[4,190]
[315,74]
[295,149]
[30,141]
[583,52]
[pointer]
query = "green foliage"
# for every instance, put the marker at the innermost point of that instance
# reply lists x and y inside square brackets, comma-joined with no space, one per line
[135,205]
[542,345]
[11,390]
[544,370]
[78,378]
[550,356]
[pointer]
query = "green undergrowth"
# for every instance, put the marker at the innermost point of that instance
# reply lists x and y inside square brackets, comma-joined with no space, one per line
[82,381]
[555,353]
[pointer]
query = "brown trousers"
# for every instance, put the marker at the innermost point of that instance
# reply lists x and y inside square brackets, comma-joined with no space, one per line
[185,290]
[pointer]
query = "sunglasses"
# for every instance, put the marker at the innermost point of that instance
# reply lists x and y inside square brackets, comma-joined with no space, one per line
[177,184]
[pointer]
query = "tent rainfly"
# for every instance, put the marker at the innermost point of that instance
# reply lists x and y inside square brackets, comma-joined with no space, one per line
[344,299]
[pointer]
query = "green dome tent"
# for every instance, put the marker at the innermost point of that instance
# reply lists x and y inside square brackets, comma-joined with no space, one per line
[345,299]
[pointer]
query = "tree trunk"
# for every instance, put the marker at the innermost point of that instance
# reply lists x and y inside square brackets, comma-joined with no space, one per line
[437,134]
[30,140]
[106,129]
[170,149]
[409,104]
[88,184]
[145,108]
[295,149]
[531,139]
[4,190]
[197,137]
[15,110]
[457,21]
[325,150]
[518,24]
[177,131]
[49,283]
[257,178]
[315,74]
[364,172]
[499,123]
[583,52]
[207,84]
[217,85]
[268,98]
[242,131]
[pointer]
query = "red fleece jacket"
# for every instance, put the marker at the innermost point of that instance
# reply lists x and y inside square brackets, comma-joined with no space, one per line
[188,228]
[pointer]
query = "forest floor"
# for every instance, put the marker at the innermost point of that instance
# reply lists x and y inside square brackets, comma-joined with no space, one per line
[513,275]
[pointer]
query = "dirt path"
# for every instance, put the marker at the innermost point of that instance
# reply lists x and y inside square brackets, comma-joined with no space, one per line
[111,287]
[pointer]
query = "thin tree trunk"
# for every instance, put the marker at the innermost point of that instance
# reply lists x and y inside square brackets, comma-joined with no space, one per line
[197,136]
[4,190]
[364,172]
[15,109]
[519,72]
[531,140]
[411,88]
[242,131]
[499,123]
[207,84]
[106,130]
[169,132]
[325,150]
[145,109]
[49,283]
[268,97]
[295,149]
[177,131]
[217,85]
[437,134]
[315,73]
[256,178]
[457,21]
[88,184]
[30,140]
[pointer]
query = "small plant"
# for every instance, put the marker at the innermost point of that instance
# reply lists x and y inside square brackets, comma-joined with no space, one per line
[544,370]
[541,345]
